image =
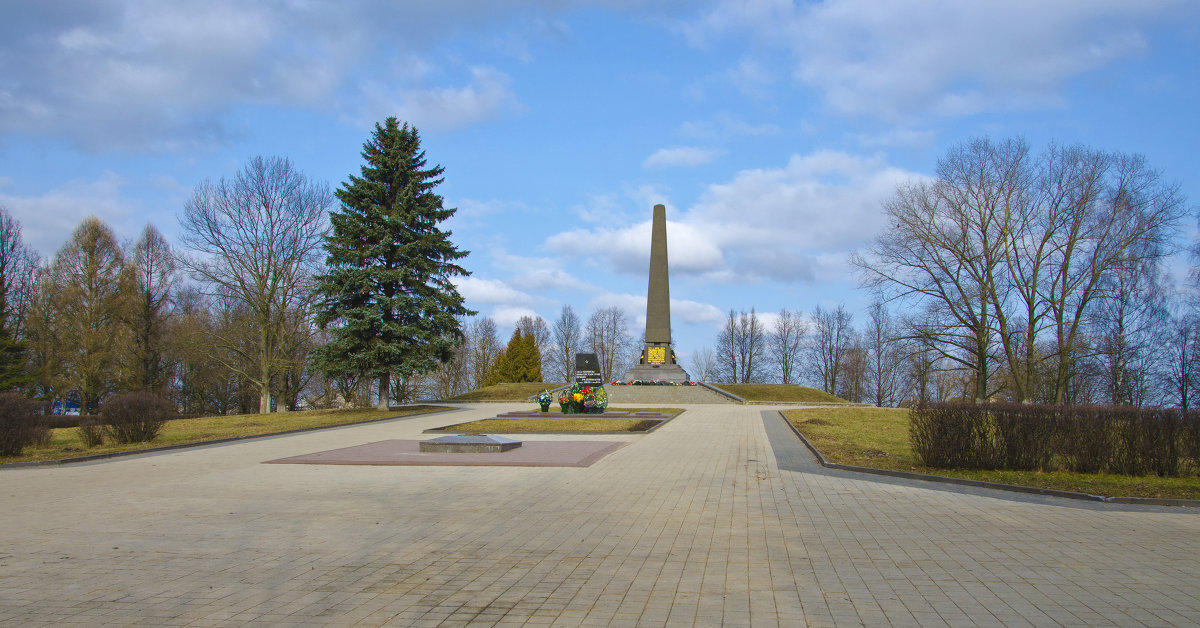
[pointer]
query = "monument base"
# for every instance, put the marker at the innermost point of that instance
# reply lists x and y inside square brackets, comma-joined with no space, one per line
[657,373]
[468,444]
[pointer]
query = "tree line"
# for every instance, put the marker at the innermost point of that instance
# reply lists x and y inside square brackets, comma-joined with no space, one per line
[1008,275]
[1022,276]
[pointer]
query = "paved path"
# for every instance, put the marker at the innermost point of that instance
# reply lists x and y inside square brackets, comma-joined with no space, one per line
[717,518]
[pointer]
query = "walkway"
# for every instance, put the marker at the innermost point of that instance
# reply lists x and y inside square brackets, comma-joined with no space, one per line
[718,518]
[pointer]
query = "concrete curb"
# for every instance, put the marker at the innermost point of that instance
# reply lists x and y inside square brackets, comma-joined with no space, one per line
[722,392]
[1015,488]
[219,441]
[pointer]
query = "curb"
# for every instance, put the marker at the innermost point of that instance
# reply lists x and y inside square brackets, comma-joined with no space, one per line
[219,441]
[1014,488]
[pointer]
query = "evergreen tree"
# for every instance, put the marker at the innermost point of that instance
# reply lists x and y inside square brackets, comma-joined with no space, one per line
[520,361]
[388,300]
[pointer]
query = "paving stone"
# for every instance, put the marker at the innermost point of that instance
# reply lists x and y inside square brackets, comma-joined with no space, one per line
[718,517]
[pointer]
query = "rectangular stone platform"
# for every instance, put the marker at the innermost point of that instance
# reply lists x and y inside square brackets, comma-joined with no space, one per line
[407,453]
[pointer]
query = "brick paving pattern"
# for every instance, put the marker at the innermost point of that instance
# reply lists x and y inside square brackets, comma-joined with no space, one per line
[716,519]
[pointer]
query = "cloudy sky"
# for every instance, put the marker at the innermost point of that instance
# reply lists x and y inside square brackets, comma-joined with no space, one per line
[771,130]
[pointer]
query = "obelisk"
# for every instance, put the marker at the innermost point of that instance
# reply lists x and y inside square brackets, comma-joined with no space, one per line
[657,362]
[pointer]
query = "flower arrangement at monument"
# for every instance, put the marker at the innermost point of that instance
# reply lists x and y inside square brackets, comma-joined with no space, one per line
[583,400]
[544,398]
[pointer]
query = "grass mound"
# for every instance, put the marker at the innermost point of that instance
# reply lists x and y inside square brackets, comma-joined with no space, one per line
[506,392]
[780,392]
[878,438]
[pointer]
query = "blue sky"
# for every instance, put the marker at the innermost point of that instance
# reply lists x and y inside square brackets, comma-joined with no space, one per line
[771,130]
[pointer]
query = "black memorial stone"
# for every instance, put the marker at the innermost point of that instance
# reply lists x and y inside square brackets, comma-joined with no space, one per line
[587,370]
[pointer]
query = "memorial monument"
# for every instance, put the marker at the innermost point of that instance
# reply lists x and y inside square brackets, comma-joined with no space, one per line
[657,362]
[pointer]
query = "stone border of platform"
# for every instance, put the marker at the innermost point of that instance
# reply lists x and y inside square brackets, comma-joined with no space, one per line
[1015,488]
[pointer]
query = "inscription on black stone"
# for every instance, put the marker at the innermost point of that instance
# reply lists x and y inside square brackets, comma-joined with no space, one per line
[587,370]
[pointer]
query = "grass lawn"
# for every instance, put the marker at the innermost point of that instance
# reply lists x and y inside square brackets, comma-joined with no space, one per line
[505,392]
[65,442]
[512,426]
[555,422]
[779,392]
[878,438]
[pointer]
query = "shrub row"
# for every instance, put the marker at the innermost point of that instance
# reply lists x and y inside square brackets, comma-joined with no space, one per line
[1085,439]
[128,418]
[22,424]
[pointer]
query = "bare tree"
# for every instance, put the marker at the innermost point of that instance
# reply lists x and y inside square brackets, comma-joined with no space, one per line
[784,344]
[1118,212]
[608,337]
[1008,256]
[18,271]
[484,342]
[831,338]
[741,348]
[703,365]
[854,367]
[567,341]
[154,275]
[257,239]
[1182,351]
[884,355]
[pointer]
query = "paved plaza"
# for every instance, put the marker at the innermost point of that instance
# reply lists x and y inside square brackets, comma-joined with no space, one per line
[718,518]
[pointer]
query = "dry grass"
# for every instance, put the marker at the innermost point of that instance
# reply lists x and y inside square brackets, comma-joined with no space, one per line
[552,425]
[780,392]
[65,442]
[505,392]
[878,438]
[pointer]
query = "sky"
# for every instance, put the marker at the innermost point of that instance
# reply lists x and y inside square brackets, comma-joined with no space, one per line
[773,131]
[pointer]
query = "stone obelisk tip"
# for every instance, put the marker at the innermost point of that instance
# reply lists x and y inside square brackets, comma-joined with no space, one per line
[658,293]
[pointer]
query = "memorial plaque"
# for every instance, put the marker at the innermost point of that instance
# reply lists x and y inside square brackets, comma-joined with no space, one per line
[587,370]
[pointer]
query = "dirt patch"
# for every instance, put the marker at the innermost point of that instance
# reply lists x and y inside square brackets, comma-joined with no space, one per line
[875,453]
[815,422]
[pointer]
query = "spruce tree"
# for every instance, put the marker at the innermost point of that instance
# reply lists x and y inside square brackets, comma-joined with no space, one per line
[388,300]
[519,362]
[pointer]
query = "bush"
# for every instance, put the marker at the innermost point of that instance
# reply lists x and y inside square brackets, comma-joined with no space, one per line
[952,435]
[1086,438]
[91,432]
[21,424]
[1025,435]
[1191,437]
[1148,441]
[135,417]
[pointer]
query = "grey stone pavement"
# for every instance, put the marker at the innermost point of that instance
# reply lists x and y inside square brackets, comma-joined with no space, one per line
[719,518]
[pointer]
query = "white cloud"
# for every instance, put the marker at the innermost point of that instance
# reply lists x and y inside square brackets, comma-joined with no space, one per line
[48,220]
[689,249]
[486,96]
[681,156]
[476,290]
[726,125]
[694,312]
[168,76]
[792,224]
[900,59]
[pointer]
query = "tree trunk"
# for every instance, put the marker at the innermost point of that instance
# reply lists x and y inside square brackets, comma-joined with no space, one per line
[385,393]
[264,397]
